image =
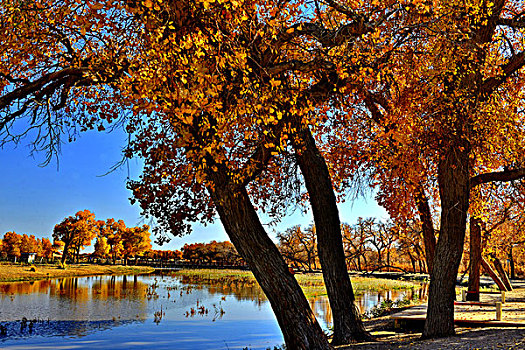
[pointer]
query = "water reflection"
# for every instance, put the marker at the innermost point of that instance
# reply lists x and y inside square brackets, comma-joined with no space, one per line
[191,311]
[97,298]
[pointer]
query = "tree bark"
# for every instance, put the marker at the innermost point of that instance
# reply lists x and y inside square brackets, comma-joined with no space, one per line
[475,259]
[296,320]
[348,326]
[453,180]
[65,252]
[429,236]
[502,274]
[490,271]
[512,263]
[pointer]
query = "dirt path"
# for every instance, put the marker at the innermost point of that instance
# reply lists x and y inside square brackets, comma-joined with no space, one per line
[466,338]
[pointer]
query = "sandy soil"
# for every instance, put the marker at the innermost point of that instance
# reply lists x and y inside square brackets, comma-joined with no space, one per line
[15,272]
[466,338]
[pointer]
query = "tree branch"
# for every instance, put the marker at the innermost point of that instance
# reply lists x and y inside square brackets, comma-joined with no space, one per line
[515,63]
[502,176]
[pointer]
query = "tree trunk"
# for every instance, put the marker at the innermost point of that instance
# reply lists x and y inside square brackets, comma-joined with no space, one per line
[475,259]
[492,274]
[429,236]
[296,320]
[413,262]
[453,180]
[512,263]
[502,274]
[348,326]
[64,253]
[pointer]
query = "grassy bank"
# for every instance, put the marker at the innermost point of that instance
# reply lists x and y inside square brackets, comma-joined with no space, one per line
[15,272]
[312,284]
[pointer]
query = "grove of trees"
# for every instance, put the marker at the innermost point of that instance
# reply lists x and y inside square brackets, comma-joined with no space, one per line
[242,107]
[77,232]
[14,245]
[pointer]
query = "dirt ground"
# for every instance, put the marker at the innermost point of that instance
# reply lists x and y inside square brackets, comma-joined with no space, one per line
[387,337]
[15,272]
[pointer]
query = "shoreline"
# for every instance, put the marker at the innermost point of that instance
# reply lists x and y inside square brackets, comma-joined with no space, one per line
[10,272]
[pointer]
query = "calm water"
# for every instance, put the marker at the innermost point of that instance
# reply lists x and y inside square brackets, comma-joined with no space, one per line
[145,312]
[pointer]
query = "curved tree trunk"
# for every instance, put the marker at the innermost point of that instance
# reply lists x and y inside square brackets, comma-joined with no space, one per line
[475,259]
[296,320]
[348,326]
[453,179]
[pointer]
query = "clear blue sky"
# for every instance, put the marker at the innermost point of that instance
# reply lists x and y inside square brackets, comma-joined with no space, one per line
[33,199]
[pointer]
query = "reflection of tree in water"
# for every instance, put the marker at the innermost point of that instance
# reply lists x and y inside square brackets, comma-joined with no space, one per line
[96,298]
[366,301]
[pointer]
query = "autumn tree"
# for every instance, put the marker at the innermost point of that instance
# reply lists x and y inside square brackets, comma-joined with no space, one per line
[76,232]
[135,241]
[47,249]
[459,96]
[11,244]
[29,244]
[101,247]
[113,231]
[215,90]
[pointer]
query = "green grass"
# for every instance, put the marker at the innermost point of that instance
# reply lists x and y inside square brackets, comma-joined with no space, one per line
[312,284]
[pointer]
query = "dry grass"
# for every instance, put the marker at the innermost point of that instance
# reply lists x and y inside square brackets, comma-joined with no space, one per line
[15,272]
[312,284]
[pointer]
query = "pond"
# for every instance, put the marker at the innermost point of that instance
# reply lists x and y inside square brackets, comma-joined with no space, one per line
[174,311]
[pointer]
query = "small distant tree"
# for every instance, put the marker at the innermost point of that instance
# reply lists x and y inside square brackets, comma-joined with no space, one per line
[299,246]
[193,252]
[29,244]
[101,247]
[177,254]
[113,231]
[135,241]
[11,244]
[47,248]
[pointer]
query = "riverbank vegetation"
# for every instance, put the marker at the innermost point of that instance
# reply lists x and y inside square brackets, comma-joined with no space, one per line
[311,284]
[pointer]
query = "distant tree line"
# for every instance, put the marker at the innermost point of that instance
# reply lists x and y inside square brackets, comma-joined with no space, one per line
[222,253]
[14,245]
[113,240]
[374,245]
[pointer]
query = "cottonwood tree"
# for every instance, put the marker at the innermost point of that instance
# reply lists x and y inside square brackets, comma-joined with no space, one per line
[135,241]
[220,109]
[299,247]
[101,247]
[457,96]
[113,232]
[148,38]
[11,244]
[76,232]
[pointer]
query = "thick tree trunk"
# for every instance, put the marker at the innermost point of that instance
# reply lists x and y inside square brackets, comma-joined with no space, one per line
[429,236]
[453,180]
[348,326]
[475,259]
[490,271]
[296,320]
[502,274]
